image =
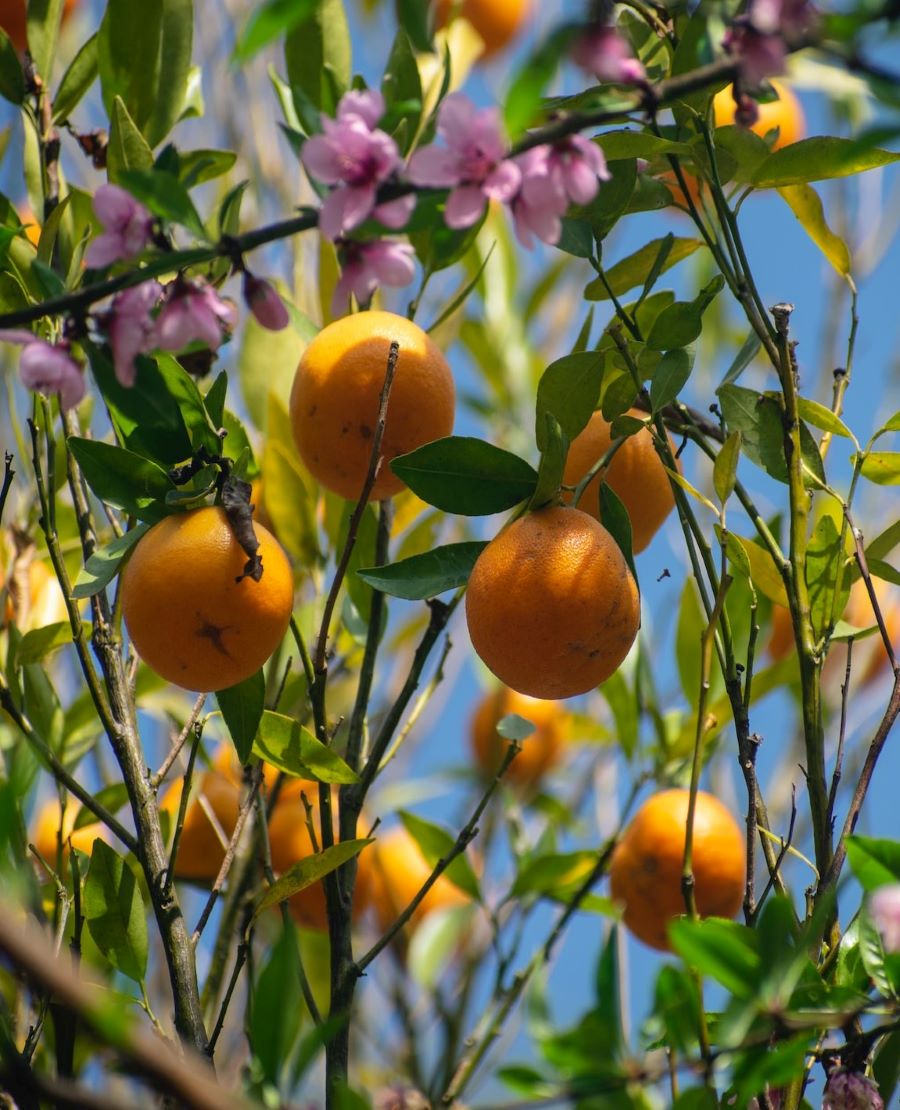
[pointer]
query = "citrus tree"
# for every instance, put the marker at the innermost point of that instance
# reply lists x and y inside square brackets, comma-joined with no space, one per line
[256,267]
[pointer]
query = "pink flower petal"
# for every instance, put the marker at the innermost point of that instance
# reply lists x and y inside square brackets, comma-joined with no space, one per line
[47,369]
[455,120]
[367,105]
[395,213]
[503,183]
[17,335]
[267,307]
[345,208]
[465,205]
[322,159]
[104,250]
[391,263]
[433,167]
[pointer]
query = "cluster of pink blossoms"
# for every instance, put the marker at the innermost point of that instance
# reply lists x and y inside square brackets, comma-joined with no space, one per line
[470,160]
[143,318]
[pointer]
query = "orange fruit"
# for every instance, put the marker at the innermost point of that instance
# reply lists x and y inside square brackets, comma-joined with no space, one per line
[290,842]
[201,849]
[645,871]
[397,872]
[334,400]
[636,475]
[551,605]
[785,113]
[12,20]
[47,826]
[188,615]
[496,21]
[541,751]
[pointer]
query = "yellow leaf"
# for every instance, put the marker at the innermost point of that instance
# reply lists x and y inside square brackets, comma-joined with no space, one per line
[806,205]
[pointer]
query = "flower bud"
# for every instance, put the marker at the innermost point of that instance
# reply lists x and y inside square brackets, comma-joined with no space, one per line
[847,1090]
[263,301]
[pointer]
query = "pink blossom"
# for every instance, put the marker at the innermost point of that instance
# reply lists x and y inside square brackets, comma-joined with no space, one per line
[47,368]
[127,227]
[471,164]
[884,906]
[356,157]
[847,1090]
[553,177]
[368,265]
[761,55]
[192,312]
[791,18]
[265,304]
[131,328]
[602,51]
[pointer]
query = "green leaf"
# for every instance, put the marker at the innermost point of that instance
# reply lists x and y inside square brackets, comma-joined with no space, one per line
[43,29]
[113,797]
[290,747]
[874,958]
[102,567]
[242,709]
[638,144]
[550,873]
[436,940]
[874,862]
[677,1005]
[576,238]
[198,166]
[824,562]
[523,100]
[764,574]
[275,1007]
[759,419]
[723,950]
[884,543]
[881,467]
[77,79]
[725,466]
[270,21]
[806,205]
[681,323]
[317,55]
[615,519]
[402,90]
[146,416]
[39,642]
[114,912]
[128,149]
[817,159]
[680,480]
[165,196]
[635,269]
[12,79]
[743,358]
[467,476]
[569,390]
[821,417]
[670,377]
[435,844]
[427,575]
[144,58]
[309,870]
[122,478]
[688,631]
[552,464]
[623,706]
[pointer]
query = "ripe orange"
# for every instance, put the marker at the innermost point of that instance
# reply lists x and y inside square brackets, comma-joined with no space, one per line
[201,849]
[636,475]
[645,872]
[496,21]
[334,401]
[541,751]
[551,605]
[290,842]
[47,826]
[188,616]
[12,20]
[397,872]
[785,113]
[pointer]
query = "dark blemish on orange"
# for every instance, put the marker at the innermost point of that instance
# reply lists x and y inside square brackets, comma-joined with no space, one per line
[365,431]
[313,409]
[213,633]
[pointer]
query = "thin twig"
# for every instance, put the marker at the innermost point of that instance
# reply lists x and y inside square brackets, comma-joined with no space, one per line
[842,731]
[166,766]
